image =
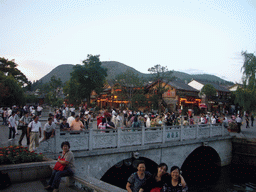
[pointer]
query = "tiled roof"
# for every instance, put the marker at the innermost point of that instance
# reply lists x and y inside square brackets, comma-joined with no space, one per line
[216,86]
[179,85]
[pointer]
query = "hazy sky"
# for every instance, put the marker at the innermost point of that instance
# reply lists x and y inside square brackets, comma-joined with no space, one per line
[193,36]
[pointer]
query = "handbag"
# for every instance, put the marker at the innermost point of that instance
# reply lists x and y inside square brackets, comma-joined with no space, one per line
[58,166]
[21,127]
[156,189]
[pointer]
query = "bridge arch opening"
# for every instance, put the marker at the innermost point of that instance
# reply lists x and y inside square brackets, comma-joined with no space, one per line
[202,166]
[120,172]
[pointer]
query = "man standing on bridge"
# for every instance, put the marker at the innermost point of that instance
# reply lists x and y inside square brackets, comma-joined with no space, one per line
[34,131]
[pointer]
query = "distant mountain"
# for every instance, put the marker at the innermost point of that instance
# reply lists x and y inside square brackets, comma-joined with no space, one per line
[114,68]
[62,71]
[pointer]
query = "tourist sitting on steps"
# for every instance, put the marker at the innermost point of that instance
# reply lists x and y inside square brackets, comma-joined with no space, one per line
[64,167]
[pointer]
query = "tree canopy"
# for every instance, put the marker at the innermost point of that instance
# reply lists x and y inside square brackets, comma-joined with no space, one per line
[11,82]
[9,68]
[11,91]
[249,70]
[53,91]
[246,95]
[86,78]
[162,76]
[132,88]
[208,90]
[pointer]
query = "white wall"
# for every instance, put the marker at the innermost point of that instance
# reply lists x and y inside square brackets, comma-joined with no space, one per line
[196,85]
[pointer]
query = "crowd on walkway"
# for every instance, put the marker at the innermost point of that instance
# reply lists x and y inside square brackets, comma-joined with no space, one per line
[135,119]
[26,119]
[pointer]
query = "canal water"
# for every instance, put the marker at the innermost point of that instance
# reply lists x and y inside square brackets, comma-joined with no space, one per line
[232,178]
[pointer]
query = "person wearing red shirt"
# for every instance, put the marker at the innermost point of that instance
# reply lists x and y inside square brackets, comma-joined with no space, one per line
[107,114]
[99,118]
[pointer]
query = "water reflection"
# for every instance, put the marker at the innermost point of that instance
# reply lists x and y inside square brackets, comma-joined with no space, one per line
[232,178]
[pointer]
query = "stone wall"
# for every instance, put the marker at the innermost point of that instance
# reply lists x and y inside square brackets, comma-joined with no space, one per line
[97,163]
[244,152]
[97,151]
[94,139]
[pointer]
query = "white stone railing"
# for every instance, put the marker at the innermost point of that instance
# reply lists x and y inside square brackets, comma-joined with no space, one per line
[122,137]
[95,185]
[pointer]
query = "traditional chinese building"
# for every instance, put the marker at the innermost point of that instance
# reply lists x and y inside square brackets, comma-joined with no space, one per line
[218,102]
[110,97]
[178,95]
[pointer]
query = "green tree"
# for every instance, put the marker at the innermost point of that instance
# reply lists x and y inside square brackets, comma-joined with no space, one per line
[55,83]
[208,90]
[53,91]
[87,77]
[249,70]
[246,96]
[9,68]
[161,76]
[11,91]
[71,90]
[132,88]
[139,100]
[31,98]
[53,100]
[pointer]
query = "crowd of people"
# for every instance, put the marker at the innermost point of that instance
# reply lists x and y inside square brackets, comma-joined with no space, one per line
[134,119]
[27,120]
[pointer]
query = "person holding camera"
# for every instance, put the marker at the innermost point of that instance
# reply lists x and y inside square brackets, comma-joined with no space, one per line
[23,124]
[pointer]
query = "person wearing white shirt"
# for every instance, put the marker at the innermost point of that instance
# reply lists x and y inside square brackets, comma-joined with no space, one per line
[213,120]
[71,118]
[34,131]
[64,113]
[33,112]
[12,123]
[9,112]
[147,121]
[31,108]
[67,111]
[39,110]
[113,112]
[202,119]
[239,123]
[17,118]
[225,121]
[54,119]
[49,129]
[72,109]
[118,120]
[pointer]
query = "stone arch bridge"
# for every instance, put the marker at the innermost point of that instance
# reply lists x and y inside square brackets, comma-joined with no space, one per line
[96,151]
